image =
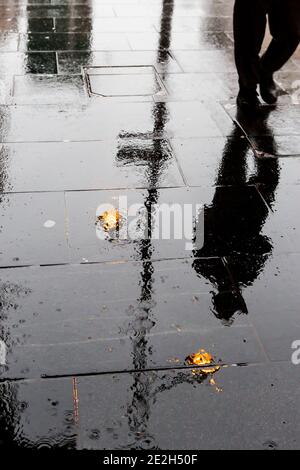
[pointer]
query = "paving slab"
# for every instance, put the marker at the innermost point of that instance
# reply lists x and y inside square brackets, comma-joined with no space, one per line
[99,121]
[37,415]
[256,396]
[269,289]
[121,317]
[200,87]
[32,229]
[103,25]
[45,414]
[273,131]
[72,62]
[213,60]
[164,241]
[202,23]
[67,11]
[215,161]
[180,41]
[62,166]
[73,42]
[45,89]
[17,63]
[9,42]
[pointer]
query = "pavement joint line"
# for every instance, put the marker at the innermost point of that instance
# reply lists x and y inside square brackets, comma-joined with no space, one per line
[138,371]
[234,284]
[263,199]
[260,342]
[109,263]
[126,188]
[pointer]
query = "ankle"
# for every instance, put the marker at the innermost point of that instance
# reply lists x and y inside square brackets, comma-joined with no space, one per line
[248,92]
[266,76]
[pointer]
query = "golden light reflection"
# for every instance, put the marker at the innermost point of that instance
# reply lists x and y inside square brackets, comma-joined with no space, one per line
[205,359]
[110,220]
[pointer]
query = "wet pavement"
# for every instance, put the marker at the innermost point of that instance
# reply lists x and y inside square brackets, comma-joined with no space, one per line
[102,99]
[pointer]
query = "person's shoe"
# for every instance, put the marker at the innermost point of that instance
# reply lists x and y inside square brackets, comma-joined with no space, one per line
[269,90]
[248,100]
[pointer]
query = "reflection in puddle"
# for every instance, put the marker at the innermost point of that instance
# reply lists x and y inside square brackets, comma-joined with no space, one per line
[110,220]
[205,359]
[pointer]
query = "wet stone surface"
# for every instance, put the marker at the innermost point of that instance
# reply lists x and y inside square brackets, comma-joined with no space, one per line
[106,337]
[266,417]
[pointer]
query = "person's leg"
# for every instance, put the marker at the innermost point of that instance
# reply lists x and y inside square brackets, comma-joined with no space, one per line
[284,19]
[249,31]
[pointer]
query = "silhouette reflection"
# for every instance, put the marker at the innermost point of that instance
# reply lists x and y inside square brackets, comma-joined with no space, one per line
[235,218]
[64,39]
[233,231]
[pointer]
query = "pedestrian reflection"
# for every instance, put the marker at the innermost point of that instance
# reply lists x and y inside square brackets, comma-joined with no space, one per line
[235,219]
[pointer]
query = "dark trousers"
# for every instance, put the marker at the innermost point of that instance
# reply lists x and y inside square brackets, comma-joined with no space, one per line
[250,21]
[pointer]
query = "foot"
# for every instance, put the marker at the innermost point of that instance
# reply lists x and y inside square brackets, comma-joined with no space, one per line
[269,90]
[248,100]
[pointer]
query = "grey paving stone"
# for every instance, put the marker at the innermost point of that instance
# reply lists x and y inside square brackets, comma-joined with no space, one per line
[102,25]
[215,161]
[31,167]
[9,42]
[24,238]
[274,131]
[98,121]
[72,62]
[206,61]
[260,399]
[269,288]
[282,224]
[73,42]
[44,413]
[200,86]
[38,415]
[95,245]
[120,303]
[180,41]
[16,63]
[43,89]
[239,345]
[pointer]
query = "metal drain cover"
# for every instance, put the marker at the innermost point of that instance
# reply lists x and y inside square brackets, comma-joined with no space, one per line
[122,81]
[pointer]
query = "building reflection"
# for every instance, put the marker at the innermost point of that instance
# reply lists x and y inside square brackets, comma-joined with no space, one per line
[63,39]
